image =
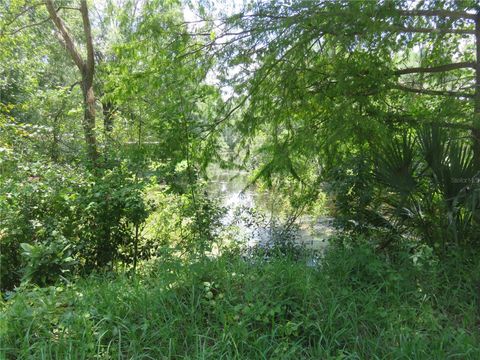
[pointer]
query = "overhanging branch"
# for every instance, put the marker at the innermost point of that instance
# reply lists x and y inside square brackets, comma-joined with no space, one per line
[433,92]
[433,31]
[405,118]
[435,69]
[439,13]
[13,32]
[22,12]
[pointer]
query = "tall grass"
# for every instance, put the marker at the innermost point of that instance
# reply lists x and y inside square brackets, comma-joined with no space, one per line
[357,305]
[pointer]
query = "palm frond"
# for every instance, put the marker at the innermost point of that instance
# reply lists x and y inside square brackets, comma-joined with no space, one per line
[397,166]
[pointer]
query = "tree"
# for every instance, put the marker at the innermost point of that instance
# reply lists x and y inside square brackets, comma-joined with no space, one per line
[40,91]
[87,71]
[328,83]
[359,50]
[158,85]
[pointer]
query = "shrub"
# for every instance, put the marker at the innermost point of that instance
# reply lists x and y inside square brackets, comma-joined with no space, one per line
[58,212]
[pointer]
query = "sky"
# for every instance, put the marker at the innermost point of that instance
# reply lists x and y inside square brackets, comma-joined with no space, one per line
[225,7]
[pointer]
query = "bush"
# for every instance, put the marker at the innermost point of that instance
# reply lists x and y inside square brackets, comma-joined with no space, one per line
[35,208]
[187,222]
[51,209]
[105,212]
[46,262]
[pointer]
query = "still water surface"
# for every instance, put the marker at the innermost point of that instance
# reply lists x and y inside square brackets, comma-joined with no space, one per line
[229,187]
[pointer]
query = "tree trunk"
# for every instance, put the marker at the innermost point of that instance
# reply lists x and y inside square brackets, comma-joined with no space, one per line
[87,69]
[88,72]
[89,122]
[55,152]
[107,107]
[476,116]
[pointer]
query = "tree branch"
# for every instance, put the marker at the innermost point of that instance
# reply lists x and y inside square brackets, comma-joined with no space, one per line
[68,41]
[433,31]
[68,8]
[73,85]
[406,118]
[433,92]
[434,69]
[90,64]
[23,12]
[439,13]
[26,27]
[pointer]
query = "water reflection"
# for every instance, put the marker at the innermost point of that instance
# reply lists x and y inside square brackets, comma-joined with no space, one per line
[249,211]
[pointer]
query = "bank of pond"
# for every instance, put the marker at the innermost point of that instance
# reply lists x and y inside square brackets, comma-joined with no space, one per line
[356,303]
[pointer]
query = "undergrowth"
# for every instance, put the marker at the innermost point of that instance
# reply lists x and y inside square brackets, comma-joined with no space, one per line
[357,304]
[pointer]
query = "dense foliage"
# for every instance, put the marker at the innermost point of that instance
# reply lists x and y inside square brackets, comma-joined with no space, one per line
[114,113]
[379,106]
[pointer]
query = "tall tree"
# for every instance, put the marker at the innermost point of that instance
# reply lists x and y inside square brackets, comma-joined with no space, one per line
[327,83]
[87,70]
[318,72]
[158,84]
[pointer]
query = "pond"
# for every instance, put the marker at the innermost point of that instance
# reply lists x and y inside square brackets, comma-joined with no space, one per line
[256,218]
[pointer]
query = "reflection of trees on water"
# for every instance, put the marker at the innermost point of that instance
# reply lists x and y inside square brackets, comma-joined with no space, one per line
[256,222]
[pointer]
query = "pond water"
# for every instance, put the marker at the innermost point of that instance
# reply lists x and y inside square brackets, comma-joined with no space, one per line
[255,217]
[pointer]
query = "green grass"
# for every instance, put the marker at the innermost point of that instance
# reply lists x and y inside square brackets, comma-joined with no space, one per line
[359,305]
